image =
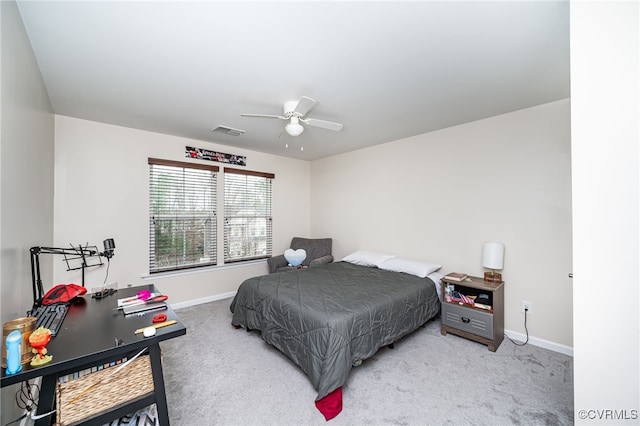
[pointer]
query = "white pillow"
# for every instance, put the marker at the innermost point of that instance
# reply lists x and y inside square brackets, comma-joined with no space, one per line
[413,267]
[367,258]
[436,277]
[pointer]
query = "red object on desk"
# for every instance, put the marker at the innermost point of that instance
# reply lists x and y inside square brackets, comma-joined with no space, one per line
[63,293]
[159,318]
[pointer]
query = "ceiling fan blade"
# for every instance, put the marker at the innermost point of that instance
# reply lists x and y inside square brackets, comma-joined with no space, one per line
[264,116]
[304,105]
[329,125]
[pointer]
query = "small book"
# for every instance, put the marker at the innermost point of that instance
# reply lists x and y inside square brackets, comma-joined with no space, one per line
[136,309]
[455,276]
[483,306]
[466,299]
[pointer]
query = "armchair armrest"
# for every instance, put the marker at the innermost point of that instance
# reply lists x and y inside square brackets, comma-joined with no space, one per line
[319,261]
[276,262]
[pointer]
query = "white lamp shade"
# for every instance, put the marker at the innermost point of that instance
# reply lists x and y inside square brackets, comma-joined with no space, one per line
[294,128]
[492,255]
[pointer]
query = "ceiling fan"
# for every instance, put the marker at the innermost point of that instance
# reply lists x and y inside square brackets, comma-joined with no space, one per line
[294,113]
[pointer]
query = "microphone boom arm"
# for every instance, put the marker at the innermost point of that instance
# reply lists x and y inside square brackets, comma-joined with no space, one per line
[70,254]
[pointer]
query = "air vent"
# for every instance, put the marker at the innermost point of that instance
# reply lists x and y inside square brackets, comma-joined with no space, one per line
[228,131]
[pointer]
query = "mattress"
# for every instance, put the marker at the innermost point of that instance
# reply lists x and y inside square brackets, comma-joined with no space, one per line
[327,317]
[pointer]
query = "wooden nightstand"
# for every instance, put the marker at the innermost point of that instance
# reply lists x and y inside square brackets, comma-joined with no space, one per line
[481,325]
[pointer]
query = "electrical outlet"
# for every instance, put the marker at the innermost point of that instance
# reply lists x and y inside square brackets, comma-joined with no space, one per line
[528,306]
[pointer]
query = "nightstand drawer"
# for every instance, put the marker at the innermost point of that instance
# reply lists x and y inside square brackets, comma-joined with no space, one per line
[467,319]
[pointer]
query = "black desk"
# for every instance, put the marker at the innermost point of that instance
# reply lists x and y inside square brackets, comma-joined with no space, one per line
[88,338]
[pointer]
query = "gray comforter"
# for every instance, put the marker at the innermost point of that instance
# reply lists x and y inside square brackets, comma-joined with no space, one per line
[327,317]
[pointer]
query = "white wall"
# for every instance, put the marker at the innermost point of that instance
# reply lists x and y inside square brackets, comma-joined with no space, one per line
[26,168]
[436,197]
[605,121]
[102,182]
[605,91]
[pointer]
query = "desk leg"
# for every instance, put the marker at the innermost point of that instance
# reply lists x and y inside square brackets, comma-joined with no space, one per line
[158,384]
[47,399]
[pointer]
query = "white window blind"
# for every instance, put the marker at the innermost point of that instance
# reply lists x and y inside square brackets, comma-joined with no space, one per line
[182,215]
[247,215]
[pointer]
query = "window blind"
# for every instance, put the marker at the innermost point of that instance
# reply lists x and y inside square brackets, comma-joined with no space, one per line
[247,215]
[182,215]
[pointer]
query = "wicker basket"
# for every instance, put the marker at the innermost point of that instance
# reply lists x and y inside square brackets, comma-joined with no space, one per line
[99,392]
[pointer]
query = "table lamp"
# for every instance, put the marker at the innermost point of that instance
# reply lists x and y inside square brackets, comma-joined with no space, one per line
[492,258]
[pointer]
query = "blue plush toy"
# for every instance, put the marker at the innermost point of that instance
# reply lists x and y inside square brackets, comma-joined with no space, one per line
[295,257]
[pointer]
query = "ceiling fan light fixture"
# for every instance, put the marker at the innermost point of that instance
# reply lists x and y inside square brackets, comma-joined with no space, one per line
[295,114]
[294,128]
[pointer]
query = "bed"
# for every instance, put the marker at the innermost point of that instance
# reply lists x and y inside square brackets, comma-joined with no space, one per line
[328,317]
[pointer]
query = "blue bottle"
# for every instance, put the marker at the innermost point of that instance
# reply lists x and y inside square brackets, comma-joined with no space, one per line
[13,352]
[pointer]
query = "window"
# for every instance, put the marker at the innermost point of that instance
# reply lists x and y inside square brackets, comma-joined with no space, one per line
[182,215]
[247,215]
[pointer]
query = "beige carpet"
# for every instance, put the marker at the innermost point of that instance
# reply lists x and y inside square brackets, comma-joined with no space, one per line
[217,375]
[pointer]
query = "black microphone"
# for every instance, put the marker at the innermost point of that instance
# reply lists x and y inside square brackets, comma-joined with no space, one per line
[109,247]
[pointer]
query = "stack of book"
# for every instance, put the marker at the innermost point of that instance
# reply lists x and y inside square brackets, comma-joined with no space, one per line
[462,299]
[456,276]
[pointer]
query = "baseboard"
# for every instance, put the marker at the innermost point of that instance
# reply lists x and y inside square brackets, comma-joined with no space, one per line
[202,300]
[542,343]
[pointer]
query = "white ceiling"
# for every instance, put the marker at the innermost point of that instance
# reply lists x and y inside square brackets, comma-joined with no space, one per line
[386,70]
